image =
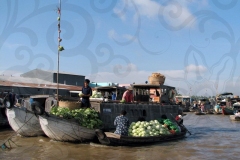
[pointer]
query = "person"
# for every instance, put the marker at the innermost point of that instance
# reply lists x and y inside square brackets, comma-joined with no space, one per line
[128,95]
[179,119]
[195,105]
[187,104]
[238,113]
[216,108]
[122,123]
[86,93]
[157,93]
[202,107]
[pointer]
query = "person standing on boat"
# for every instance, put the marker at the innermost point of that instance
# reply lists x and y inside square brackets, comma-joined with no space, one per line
[216,108]
[86,93]
[128,95]
[122,123]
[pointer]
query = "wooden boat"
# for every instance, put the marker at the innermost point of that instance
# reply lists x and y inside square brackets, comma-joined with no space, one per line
[217,113]
[109,138]
[227,111]
[24,122]
[209,112]
[234,118]
[60,129]
[199,113]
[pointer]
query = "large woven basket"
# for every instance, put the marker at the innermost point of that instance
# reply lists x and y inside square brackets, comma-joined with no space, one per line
[70,104]
[156,78]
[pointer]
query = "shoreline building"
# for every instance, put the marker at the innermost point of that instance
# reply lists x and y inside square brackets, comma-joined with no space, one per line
[39,82]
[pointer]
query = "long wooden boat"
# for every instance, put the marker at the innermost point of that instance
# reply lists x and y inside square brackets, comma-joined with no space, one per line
[209,112]
[234,118]
[109,138]
[227,111]
[24,122]
[60,129]
[199,113]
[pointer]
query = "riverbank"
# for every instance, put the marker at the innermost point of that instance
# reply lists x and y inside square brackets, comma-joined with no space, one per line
[213,136]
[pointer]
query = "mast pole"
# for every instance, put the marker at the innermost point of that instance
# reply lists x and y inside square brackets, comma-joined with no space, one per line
[59,41]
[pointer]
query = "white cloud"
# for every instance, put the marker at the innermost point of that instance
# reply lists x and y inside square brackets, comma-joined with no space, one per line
[194,68]
[122,16]
[147,8]
[128,36]
[112,34]
[11,45]
[175,13]
[134,75]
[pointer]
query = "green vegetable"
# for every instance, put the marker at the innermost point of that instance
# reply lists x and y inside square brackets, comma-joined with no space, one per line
[85,117]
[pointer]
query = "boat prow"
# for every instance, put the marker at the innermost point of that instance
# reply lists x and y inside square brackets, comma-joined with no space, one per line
[24,122]
[65,130]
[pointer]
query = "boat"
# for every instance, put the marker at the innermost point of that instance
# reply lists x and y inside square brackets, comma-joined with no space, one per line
[227,111]
[60,129]
[112,139]
[234,118]
[209,112]
[200,113]
[24,122]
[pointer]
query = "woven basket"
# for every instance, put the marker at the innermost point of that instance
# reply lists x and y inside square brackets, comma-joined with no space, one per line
[70,104]
[156,78]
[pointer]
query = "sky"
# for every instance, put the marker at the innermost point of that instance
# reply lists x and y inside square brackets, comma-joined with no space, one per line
[195,44]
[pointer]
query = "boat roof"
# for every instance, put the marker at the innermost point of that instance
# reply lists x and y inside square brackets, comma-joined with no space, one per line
[109,88]
[147,86]
[182,96]
[225,94]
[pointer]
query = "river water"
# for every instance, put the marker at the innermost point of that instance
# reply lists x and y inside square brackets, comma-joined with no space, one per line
[213,137]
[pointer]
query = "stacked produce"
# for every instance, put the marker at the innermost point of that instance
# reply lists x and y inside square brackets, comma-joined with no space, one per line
[96,94]
[152,128]
[86,117]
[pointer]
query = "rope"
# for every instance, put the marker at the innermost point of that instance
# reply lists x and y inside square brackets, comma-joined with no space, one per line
[4,146]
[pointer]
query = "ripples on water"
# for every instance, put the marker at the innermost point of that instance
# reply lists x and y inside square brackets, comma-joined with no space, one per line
[213,137]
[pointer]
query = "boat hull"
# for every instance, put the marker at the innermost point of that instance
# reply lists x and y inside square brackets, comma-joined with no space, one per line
[65,130]
[24,122]
[234,118]
[199,113]
[226,111]
[118,140]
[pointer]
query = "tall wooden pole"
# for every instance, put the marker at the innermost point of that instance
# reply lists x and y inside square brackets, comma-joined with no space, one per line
[59,41]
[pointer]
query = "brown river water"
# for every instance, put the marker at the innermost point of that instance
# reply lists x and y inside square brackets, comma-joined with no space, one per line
[213,137]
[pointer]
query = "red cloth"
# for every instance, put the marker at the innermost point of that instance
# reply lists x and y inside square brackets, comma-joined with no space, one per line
[127,96]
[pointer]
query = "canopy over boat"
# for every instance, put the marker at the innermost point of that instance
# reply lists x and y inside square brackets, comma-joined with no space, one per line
[225,94]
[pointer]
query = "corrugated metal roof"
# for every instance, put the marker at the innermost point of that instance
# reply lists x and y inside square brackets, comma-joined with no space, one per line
[52,71]
[33,83]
